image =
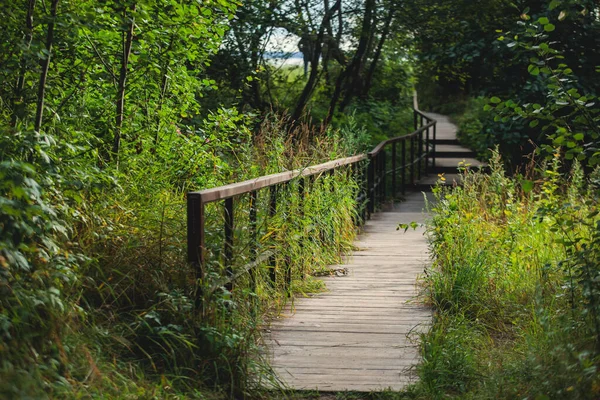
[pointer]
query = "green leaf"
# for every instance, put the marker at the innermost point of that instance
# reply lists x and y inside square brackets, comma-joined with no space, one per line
[526,185]
[495,100]
[533,70]
[534,123]
[549,27]
[544,21]
[578,136]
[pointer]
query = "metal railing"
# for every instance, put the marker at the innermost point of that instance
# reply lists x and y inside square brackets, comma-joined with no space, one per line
[391,167]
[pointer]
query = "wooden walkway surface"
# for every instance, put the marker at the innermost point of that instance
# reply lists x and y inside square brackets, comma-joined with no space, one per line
[360,335]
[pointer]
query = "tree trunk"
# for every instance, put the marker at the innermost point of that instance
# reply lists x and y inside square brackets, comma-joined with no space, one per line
[127,42]
[377,55]
[347,78]
[18,106]
[314,71]
[45,65]
[335,97]
[357,62]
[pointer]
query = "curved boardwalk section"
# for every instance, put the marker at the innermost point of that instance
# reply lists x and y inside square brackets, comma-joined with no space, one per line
[449,154]
[361,334]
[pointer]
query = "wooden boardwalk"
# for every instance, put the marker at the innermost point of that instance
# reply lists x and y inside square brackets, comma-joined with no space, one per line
[449,153]
[360,335]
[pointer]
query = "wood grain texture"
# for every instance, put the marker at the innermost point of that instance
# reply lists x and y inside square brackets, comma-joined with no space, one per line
[362,334]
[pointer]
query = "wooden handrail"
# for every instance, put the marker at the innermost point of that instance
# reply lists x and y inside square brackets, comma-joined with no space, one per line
[397,139]
[250,185]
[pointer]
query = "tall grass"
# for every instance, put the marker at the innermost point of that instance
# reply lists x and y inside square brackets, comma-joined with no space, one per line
[512,286]
[121,320]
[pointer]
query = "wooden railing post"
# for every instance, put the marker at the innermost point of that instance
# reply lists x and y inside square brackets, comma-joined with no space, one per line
[364,190]
[253,235]
[412,160]
[272,212]
[228,250]
[403,160]
[419,154]
[394,170]
[427,152]
[383,176]
[195,241]
[371,184]
[434,144]
[301,195]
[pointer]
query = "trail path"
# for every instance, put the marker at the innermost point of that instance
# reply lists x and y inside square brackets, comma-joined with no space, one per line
[362,334]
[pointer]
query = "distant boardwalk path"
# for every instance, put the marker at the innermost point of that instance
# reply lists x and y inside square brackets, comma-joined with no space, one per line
[356,335]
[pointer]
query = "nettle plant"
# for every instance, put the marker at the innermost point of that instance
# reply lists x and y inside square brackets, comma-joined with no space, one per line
[568,118]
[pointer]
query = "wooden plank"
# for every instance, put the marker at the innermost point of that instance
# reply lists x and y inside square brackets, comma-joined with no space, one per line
[351,373]
[357,319]
[348,328]
[380,346]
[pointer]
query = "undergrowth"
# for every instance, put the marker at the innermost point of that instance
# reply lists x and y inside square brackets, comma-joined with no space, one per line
[96,294]
[514,284]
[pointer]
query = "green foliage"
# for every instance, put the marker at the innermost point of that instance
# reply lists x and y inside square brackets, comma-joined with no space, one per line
[381,119]
[39,267]
[514,286]
[567,118]
[538,60]
[449,363]
[124,313]
[471,128]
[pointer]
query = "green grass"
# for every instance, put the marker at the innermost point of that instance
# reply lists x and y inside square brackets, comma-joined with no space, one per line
[514,315]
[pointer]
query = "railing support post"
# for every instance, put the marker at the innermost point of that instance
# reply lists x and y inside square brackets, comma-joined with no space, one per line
[403,149]
[412,160]
[272,212]
[365,190]
[228,250]
[195,242]
[419,154]
[371,184]
[427,152]
[253,235]
[394,170]
[434,144]
[383,177]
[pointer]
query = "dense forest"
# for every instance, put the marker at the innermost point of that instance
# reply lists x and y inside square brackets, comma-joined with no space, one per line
[111,111]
